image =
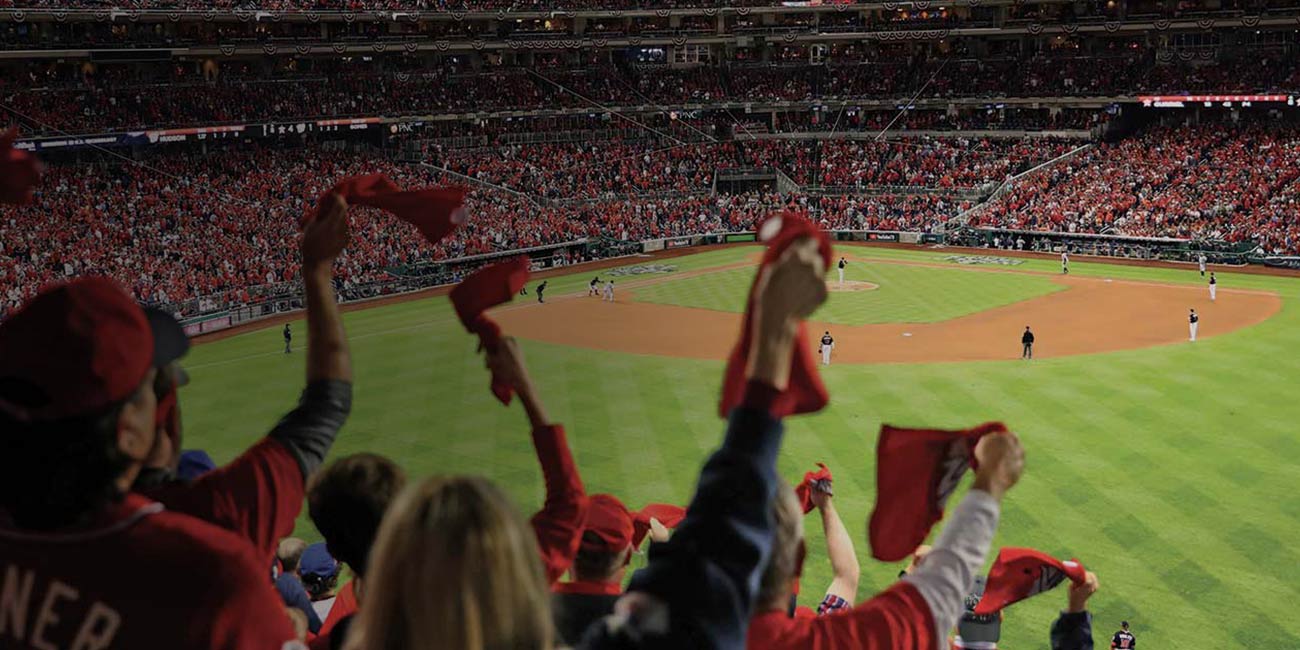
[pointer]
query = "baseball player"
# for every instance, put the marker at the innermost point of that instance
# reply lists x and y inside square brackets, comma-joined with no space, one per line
[1192,321]
[1123,639]
[593,288]
[1027,343]
[541,288]
[609,291]
[827,345]
[1065,262]
[288,339]
[1214,286]
[1200,261]
[842,264]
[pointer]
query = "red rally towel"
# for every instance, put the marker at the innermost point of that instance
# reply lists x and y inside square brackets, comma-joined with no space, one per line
[819,480]
[1020,573]
[20,171]
[669,515]
[916,471]
[434,211]
[806,393]
[486,288]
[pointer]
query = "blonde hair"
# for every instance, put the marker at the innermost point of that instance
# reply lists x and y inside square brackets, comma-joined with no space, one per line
[454,567]
[787,524]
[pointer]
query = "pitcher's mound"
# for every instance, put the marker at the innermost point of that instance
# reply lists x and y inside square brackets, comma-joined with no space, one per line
[851,285]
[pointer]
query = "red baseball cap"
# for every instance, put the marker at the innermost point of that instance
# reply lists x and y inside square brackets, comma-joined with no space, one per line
[79,347]
[611,522]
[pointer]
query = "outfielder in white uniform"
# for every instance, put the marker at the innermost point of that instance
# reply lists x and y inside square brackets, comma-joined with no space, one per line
[1200,261]
[609,291]
[1214,286]
[1065,262]
[1192,321]
[827,345]
[842,265]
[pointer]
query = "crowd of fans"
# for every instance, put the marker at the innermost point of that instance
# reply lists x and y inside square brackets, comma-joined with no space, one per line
[1235,183]
[64,99]
[220,227]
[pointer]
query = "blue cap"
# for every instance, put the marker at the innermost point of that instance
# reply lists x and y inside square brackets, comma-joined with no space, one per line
[193,464]
[316,560]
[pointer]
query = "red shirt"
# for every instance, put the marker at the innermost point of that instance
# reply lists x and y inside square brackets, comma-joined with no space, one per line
[139,577]
[258,496]
[897,619]
[558,525]
[588,588]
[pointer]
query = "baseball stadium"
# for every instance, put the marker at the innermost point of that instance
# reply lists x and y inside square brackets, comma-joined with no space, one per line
[488,324]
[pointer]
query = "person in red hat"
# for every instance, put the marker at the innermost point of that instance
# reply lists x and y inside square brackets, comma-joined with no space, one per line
[84,561]
[260,494]
[780,580]
[598,569]
[919,610]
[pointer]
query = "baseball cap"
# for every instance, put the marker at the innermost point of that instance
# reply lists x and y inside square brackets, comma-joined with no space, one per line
[610,522]
[316,560]
[78,347]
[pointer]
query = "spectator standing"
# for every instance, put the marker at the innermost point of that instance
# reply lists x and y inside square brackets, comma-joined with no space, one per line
[598,569]
[320,576]
[289,583]
[347,501]
[77,422]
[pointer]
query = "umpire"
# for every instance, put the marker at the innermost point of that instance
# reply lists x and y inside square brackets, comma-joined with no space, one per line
[1027,340]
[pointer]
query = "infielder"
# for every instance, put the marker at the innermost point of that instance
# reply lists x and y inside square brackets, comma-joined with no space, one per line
[1214,286]
[1200,261]
[541,288]
[1065,262]
[841,266]
[827,345]
[593,289]
[1192,321]
[609,291]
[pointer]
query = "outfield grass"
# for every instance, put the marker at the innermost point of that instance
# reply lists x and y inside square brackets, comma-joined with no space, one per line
[1171,471]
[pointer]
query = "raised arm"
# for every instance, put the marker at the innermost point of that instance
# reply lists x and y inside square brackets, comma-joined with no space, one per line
[323,239]
[845,571]
[945,576]
[1073,628]
[309,430]
[699,587]
[558,525]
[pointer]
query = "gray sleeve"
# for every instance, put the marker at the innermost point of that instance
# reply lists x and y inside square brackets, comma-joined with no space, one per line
[309,430]
[947,573]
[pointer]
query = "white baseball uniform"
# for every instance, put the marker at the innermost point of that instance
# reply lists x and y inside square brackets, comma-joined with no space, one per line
[1065,262]
[828,344]
[609,291]
[1214,288]
[1192,321]
[842,265]
[1200,261]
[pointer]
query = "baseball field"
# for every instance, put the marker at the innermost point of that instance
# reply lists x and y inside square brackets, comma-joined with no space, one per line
[1168,467]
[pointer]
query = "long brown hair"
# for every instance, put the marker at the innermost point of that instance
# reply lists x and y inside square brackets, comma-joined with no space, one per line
[454,567]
